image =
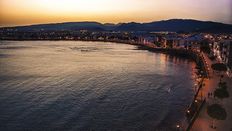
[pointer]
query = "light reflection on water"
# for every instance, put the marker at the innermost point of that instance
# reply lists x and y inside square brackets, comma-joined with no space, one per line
[69,85]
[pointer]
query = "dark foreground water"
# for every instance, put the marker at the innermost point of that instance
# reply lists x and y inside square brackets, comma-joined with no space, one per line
[69,85]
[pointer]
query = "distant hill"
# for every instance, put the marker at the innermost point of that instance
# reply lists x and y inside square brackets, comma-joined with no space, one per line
[177,25]
[94,26]
[173,25]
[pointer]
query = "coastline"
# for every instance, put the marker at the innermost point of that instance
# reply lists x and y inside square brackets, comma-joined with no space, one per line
[203,74]
[190,54]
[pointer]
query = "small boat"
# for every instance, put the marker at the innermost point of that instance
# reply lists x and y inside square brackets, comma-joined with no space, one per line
[169,90]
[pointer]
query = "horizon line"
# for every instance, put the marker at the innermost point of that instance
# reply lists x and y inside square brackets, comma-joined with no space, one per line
[112,22]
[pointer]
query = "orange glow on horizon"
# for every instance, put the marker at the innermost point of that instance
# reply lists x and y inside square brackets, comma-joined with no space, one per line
[21,12]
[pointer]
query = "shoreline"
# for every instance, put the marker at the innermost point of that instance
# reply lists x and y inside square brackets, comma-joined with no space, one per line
[189,54]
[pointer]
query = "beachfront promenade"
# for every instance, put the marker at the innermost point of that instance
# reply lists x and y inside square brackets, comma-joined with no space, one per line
[203,121]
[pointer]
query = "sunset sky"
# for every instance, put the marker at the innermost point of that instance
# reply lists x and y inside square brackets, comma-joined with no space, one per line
[24,12]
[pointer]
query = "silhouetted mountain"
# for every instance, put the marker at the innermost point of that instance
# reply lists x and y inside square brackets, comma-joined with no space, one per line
[109,26]
[173,25]
[177,25]
[70,26]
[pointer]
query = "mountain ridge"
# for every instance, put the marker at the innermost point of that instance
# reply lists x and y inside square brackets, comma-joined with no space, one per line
[172,25]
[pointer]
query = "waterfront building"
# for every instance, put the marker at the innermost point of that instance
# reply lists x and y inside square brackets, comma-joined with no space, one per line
[222,50]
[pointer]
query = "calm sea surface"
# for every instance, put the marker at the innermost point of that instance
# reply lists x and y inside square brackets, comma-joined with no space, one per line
[70,85]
